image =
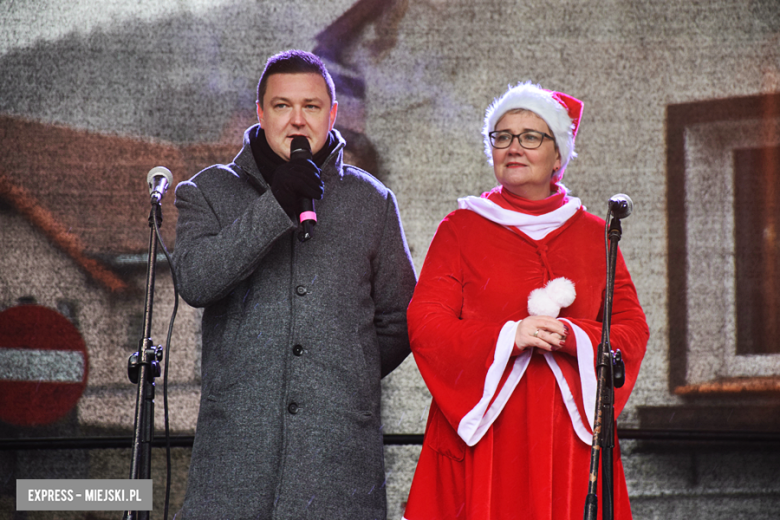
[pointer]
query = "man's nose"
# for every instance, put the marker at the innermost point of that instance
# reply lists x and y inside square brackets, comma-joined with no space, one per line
[297,117]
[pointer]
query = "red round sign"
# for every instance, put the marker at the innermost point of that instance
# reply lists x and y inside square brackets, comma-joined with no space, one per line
[43,365]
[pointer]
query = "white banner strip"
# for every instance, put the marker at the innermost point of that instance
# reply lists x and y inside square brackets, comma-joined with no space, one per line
[48,366]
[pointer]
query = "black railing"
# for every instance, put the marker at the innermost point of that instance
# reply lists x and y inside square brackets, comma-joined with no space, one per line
[185,441]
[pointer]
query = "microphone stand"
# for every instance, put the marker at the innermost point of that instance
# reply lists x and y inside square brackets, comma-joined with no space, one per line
[610,372]
[142,368]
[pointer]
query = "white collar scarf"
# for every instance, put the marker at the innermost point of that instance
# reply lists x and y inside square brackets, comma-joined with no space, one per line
[535,226]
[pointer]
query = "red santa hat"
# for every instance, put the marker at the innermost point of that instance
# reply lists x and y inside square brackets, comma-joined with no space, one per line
[561,112]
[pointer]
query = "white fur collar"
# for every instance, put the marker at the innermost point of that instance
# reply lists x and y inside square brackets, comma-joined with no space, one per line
[535,226]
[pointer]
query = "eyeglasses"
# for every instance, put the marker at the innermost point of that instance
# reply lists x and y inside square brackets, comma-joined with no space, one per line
[530,139]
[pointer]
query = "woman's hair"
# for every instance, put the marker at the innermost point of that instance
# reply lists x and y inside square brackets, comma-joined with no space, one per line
[521,111]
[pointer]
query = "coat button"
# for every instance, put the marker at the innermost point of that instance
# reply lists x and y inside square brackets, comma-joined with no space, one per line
[298,350]
[293,408]
[300,290]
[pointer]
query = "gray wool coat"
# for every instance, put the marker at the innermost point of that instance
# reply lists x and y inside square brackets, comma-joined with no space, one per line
[296,337]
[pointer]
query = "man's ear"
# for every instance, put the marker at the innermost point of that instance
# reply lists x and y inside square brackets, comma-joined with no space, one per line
[333,112]
[260,115]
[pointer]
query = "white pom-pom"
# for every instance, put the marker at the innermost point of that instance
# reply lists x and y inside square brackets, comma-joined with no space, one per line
[561,291]
[552,298]
[540,304]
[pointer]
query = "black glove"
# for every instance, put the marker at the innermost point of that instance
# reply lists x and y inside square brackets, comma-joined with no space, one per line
[296,180]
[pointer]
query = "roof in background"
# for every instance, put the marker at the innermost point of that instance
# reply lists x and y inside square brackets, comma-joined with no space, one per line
[87,192]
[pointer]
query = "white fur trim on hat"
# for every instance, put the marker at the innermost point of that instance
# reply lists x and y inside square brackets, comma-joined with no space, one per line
[540,102]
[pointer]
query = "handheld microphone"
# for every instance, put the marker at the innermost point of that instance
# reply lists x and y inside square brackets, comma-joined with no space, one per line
[300,150]
[620,206]
[158,178]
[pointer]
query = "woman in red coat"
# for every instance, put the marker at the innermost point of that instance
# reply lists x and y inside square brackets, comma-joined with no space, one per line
[504,325]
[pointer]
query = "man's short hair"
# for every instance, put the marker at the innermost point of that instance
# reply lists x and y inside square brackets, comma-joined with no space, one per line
[294,62]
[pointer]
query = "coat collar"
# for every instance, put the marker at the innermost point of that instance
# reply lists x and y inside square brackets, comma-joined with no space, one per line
[332,168]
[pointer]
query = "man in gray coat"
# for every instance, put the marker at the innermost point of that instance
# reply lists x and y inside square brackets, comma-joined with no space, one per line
[296,335]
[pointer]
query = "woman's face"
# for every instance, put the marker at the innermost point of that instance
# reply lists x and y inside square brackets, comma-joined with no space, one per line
[526,173]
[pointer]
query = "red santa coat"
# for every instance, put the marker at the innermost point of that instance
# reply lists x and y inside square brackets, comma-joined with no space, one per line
[508,436]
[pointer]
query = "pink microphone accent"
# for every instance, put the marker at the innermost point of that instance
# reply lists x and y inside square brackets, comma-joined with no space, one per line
[308,215]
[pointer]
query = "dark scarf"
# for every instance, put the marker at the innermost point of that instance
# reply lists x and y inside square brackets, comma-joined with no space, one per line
[268,161]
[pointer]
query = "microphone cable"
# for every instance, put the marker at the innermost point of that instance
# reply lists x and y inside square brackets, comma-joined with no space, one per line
[165,377]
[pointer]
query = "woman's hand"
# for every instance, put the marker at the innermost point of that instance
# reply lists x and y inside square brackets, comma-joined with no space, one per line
[541,332]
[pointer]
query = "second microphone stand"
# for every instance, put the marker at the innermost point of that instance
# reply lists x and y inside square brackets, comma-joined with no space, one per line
[610,373]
